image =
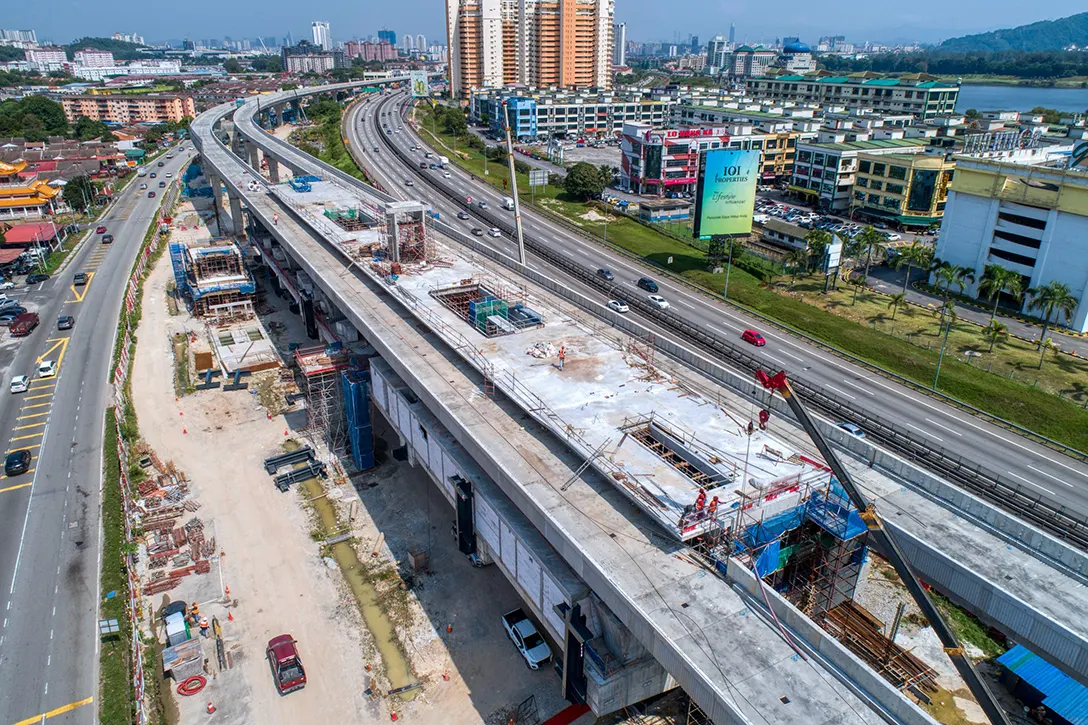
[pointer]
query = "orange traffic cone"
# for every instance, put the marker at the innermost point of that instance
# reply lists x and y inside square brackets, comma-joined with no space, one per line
[393,716]
[285,434]
[211,708]
[446,676]
[449,628]
[226,591]
[181,412]
[184,432]
[230,616]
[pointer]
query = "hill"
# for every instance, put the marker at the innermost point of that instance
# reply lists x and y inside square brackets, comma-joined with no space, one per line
[121,50]
[1044,35]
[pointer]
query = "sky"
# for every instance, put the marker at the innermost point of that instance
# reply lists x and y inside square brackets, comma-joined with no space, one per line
[918,20]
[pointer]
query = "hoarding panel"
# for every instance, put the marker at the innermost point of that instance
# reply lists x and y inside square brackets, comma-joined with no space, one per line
[726,195]
[529,574]
[487,523]
[419,84]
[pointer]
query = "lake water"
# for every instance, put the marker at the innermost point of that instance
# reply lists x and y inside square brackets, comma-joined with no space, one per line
[1021,98]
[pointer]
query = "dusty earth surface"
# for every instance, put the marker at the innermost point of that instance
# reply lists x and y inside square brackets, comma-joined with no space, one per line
[280,582]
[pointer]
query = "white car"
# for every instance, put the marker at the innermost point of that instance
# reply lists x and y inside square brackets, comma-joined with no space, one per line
[7,284]
[20,384]
[168,174]
[445,174]
[47,368]
[618,306]
[894,237]
[494,232]
[659,301]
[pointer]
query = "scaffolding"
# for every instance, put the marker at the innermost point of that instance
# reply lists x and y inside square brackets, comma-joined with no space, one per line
[321,369]
[488,310]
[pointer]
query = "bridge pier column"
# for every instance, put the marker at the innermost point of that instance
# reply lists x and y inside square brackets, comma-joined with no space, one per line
[236,142]
[273,169]
[238,220]
[254,156]
[217,204]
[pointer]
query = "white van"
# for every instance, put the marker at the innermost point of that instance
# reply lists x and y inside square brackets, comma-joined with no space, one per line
[507,203]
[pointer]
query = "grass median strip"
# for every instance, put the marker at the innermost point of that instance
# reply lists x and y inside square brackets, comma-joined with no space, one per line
[115,704]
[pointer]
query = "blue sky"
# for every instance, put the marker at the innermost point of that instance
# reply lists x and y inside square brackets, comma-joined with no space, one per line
[923,20]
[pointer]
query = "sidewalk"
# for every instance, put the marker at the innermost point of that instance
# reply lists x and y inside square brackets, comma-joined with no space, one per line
[890,281]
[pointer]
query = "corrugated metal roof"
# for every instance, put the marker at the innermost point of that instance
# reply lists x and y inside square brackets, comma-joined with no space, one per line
[1062,694]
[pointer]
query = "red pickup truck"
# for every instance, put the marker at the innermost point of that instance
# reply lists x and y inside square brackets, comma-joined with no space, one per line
[285,663]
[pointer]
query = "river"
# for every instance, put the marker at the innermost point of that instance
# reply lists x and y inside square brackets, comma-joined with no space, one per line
[1021,98]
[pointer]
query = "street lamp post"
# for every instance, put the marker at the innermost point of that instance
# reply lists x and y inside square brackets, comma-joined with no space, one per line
[728,266]
[944,342]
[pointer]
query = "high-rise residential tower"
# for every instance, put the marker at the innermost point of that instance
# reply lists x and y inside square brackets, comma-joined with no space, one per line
[619,44]
[564,43]
[387,36]
[322,34]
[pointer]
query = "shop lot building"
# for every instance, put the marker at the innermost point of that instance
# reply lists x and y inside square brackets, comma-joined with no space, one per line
[824,173]
[546,115]
[906,190]
[919,95]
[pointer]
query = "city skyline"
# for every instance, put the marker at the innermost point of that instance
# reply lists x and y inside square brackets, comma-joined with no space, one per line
[645,21]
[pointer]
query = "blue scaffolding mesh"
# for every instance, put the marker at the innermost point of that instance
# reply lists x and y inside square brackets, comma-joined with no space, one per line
[832,511]
[177,261]
[356,384]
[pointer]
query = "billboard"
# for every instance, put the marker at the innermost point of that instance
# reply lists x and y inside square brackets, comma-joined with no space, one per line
[419,84]
[726,193]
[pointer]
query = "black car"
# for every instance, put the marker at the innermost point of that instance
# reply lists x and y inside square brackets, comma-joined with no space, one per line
[647,284]
[161,163]
[162,184]
[36,278]
[17,463]
[606,274]
[65,322]
[80,279]
[107,239]
[477,232]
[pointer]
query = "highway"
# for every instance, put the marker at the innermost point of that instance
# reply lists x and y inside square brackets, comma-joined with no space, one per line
[1039,471]
[50,524]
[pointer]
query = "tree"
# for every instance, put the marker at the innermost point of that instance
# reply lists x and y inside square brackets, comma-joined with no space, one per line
[86,129]
[455,123]
[996,279]
[267,64]
[818,240]
[869,239]
[994,332]
[1047,344]
[583,181]
[608,174]
[916,255]
[894,301]
[971,114]
[79,193]
[231,65]
[1051,298]
[323,108]
[796,260]
[1050,115]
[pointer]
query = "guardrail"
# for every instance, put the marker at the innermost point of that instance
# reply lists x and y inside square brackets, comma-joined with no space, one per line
[989,485]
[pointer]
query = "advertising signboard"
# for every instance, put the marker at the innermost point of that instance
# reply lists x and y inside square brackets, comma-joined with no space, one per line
[419,84]
[726,193]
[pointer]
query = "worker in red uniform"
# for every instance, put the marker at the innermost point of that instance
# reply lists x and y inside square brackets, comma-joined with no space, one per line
[276,219]
[562,356]
[700,500]
[712,510]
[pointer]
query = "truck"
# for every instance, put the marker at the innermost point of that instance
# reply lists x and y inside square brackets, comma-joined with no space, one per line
[286,666]
[24,324]
[508,203]
[526,638]
[443,161]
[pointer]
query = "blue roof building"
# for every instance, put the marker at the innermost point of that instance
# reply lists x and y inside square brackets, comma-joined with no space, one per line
[1037,682]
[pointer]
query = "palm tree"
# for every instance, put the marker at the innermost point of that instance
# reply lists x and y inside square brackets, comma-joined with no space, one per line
[916,255]
[1048,344]
[796,260]
[1050,298]
[996,279]
[869,240]
[818,240]
[994,332]
[895,301]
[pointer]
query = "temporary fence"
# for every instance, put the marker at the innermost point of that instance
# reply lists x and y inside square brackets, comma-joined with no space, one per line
[126,332]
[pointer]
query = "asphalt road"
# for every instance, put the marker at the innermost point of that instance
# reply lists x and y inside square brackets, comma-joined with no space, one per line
[50,525]
[1039,470]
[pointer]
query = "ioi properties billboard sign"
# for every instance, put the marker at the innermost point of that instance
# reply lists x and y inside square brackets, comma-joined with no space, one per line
[726,195]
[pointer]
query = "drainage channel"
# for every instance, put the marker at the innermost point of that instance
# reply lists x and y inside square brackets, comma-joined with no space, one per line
[401,680]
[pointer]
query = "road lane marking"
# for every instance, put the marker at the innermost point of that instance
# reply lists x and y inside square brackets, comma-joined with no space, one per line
[26,438]
[17,486]
[1049,475]
[790,354]
[855,385]
[928,434]
[57,711]
[840,392]
[37,405]
[1031,483]
[76,293]
[28,427]
[62,343]
[36,397]
[23,448]
[950,430]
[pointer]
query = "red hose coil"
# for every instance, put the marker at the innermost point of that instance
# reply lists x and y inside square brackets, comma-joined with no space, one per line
[192,685]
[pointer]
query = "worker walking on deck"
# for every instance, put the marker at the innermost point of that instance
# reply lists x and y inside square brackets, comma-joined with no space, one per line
[562,356]
[276,219]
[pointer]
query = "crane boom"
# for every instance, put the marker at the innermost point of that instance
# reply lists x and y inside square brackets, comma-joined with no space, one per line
[884,539]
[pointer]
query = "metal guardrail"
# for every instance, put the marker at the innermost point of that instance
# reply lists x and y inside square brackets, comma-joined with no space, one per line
[989,485]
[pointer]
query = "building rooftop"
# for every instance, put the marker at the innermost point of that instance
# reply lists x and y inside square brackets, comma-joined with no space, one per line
[887,143]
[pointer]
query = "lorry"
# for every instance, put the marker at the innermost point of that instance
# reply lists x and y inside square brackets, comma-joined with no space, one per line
[508,203]
[526,638]
[443,161]
[286,666]
[24,324]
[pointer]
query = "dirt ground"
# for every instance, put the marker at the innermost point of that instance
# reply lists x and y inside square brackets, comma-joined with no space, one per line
[279,581]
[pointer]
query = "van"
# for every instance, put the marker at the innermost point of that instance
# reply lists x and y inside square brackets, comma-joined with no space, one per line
[24,324]
[507,203]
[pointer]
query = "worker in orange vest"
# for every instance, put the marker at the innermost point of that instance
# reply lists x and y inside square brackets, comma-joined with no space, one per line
[562,356]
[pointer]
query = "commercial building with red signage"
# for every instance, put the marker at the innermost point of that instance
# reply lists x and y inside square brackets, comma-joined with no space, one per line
[665,160]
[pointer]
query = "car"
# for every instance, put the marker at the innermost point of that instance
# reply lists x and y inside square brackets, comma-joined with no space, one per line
[100,230]
[143,186]
[161,164]
[893,237]
[753,338]
[19,384]
[150,195]
[494,232]
[162,184]
[47,368]
[17,463]
[153,175]
[657,300]
[432,166]
[375,149]
[481,204]
[409,182]
[36,278]
[65,322]
[423,165]
[647,284]
[462,215]
[523,633]
[79,279]
[606,274]
[7,284]
[107,239]
[168,174]
[618,306]
[477,232]
[446,175]
[852,429]
[287,670]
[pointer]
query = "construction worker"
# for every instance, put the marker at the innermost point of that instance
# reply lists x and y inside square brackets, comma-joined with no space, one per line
[712,510]
[562,356]
[204,625]
[700,500]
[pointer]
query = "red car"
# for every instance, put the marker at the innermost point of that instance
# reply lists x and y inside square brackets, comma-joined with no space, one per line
[285,663]
[753,338]
[101,230]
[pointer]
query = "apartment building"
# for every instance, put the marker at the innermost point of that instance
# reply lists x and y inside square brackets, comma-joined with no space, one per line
[557,114]
[542,43]
[824,173]
[46,58]
[94,58]
[307,57]
[129,109]
[916,94]
[906,190]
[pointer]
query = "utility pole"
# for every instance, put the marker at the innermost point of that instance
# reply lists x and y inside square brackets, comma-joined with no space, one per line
[513,183]
[944,342]
[728,266]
